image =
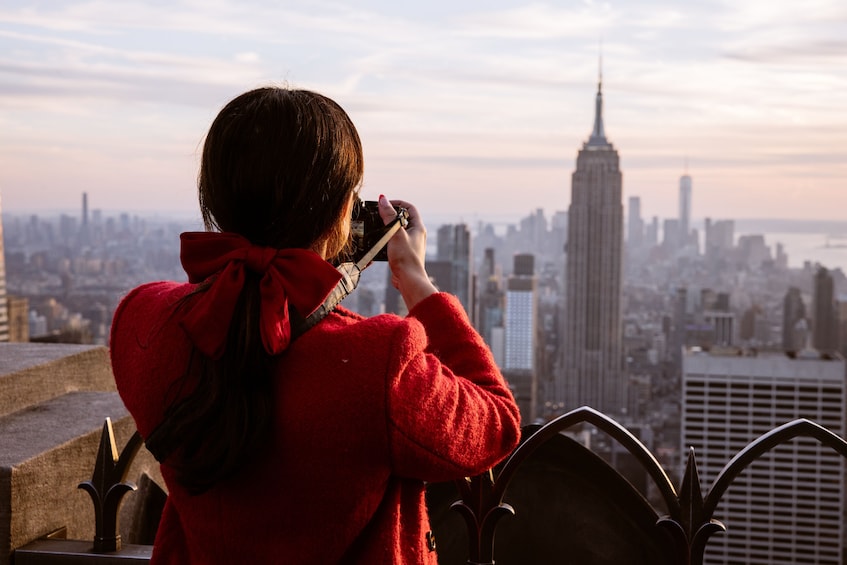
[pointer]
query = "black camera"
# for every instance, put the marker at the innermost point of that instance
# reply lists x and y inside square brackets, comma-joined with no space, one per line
[367,227]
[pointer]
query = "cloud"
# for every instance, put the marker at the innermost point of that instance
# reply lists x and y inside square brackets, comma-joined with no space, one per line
[538,21]
[810,50]
[498,93]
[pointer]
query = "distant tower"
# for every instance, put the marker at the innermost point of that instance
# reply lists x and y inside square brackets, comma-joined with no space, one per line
[793,310]
[521,321]
[825,328]
[684,210]
[4,309]
[453,246]
[635,225]
[591,363]
[490,307]
[84,230]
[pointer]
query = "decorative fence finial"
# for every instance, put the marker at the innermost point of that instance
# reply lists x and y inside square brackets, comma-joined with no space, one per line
[107,487]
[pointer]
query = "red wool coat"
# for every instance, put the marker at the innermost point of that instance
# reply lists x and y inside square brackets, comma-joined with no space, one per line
[366,411]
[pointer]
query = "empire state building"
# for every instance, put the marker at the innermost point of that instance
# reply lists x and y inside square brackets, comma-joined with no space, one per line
[591,368]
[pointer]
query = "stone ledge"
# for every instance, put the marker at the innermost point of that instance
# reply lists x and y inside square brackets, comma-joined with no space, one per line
[46,450]
[73,552]
[31,373]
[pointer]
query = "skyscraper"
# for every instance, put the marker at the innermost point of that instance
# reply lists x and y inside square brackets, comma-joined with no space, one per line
[719,238]
[825,328]
[785,507]
[85,230]
[489,310]
[793,311]
[591,365]
[684,210]
[453,246]
[521,327]
[635,225]
[84,210]
[4,312]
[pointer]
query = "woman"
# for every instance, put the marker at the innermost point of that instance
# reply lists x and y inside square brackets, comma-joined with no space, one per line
[314,449]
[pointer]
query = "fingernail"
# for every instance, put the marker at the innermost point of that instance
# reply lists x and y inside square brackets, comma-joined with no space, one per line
[381,197]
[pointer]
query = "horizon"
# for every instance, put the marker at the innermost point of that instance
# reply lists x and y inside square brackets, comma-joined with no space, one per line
[459,107]
[742,224]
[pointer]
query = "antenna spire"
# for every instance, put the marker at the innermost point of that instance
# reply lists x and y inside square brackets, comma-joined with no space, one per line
[600,67]
[598,134]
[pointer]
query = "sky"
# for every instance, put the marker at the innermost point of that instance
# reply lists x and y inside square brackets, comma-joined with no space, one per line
[472,110]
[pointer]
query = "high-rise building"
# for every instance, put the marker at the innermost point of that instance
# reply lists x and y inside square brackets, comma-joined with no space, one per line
[841,308]
[635,225]
[684,210]
[489,308]
[18,312]
[825,326]
[785,508]
[723,327]
[671,234]
[4,309]
[793,311]
[651,233]
[453,246]
[520,328]
[719,238]
[85,230]
[591,365]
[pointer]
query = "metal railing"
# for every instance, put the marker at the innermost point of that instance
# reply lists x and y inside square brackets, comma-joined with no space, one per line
[107,488]
[689,518]
[683,530]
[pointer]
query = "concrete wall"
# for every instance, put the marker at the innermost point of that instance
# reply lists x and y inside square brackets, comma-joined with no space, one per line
[53,402]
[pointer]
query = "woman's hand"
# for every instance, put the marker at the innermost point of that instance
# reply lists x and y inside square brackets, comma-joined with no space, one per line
[407,253]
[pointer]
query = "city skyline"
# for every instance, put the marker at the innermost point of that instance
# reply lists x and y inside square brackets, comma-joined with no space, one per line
[469,111]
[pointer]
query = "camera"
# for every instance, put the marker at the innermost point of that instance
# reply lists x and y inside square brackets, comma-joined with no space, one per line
[367,227]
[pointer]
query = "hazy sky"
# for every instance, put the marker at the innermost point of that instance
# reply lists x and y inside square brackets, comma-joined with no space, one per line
[471,109]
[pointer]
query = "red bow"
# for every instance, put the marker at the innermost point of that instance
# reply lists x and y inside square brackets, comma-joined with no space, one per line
[298,276]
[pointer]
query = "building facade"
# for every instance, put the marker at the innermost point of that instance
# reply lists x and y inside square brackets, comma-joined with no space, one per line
[825,325]
[520,335]
[591,366]
[453,247]
[635,225]
[684,210]
[786,507]
[4,308]
[793,313]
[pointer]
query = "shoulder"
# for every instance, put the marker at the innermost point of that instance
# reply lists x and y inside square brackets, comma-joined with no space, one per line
[148,349]
[439,313]
[144,304]
[152,295]
[159,291]
[346,325]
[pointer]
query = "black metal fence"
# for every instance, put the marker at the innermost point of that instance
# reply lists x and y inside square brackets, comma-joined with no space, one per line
[608,520]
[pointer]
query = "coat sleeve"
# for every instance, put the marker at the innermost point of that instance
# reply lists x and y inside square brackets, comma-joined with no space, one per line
[450,411]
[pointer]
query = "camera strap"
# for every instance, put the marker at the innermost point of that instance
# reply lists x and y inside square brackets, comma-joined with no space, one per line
[161,441]
[350,274]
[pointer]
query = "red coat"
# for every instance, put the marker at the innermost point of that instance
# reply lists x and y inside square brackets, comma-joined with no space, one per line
[366,411]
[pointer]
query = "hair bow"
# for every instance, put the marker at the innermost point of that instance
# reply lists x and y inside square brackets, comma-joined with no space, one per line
[297,277]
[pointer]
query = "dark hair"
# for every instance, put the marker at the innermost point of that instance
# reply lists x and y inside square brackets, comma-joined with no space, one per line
[278,168]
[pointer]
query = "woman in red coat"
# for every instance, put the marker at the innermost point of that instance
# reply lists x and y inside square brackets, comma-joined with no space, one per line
[311,450]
